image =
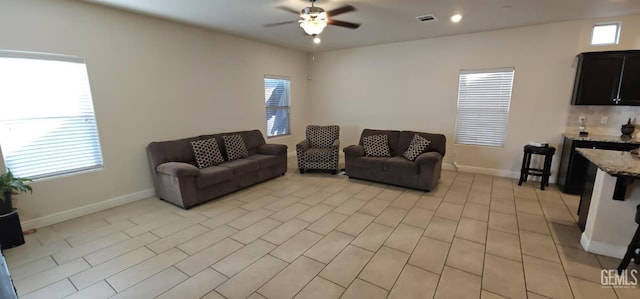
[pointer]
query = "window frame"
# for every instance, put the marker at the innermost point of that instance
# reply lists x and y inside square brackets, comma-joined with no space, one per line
[617,34]
[286,108]
[92,144]
[459,132]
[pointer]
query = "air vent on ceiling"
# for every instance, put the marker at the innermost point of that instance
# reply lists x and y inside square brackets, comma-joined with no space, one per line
[427,18]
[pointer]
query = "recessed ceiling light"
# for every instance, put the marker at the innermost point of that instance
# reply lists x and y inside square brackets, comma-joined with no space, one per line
[456,18]
[316,40]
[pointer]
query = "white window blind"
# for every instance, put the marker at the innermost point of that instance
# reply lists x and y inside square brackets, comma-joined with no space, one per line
[47,122]
[483,106]
[276,100]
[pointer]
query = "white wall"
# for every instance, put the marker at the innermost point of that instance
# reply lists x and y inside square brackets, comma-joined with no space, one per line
[157,80]
[151,80]
[413,85]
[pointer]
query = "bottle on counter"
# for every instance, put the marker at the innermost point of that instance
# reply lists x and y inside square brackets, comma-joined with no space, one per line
[627,129]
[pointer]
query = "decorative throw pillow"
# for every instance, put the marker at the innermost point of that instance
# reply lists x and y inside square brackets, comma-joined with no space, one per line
[417,146]
[236,149]
[207,153]
[376,146]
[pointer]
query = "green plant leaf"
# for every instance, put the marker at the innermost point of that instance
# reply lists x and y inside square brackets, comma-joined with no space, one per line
[11,184]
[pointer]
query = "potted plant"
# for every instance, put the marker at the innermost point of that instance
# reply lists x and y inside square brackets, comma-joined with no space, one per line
[9,185]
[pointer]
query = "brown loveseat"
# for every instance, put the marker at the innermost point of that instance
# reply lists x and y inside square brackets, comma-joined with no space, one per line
[178,180]
[423,173]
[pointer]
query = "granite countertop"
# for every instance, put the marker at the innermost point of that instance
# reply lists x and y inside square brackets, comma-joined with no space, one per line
[615,163]
[601,138]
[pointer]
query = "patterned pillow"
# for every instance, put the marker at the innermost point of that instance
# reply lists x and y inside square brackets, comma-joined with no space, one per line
[207,153]
[376,146]
[417,146]
[236,149]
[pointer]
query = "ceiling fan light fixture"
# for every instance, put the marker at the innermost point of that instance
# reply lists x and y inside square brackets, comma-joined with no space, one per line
[316,40]
[313,26]
[314,19]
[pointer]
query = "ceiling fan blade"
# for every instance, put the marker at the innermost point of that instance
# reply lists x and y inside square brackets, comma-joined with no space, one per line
[343,24]
[279,23]
[340,10]
[291,10]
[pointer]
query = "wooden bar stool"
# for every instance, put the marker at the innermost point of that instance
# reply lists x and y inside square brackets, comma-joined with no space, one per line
[545,172]
[633,247]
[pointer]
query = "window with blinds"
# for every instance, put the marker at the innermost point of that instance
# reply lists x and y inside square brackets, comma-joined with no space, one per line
[276,101]
[484,97]
[47,122]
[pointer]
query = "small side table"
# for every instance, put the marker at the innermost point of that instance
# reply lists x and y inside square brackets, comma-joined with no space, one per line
[10,230]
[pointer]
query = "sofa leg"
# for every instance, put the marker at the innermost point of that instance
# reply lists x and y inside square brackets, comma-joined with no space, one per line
[301,170]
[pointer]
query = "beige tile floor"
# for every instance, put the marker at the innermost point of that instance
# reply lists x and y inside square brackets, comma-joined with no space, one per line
[323,236]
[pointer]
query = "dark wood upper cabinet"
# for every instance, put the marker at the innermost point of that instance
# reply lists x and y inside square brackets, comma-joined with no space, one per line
[630,85]
[608,78]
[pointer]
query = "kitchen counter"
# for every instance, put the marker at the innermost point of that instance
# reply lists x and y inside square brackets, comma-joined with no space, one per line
[608,202]
[601,138]
[573,165]
[615,163]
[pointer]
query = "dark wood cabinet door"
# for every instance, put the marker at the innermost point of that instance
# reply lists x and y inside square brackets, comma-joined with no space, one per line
[597,79]
[630,86]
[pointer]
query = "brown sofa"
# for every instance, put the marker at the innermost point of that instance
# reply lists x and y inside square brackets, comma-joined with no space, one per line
[178,180]
[422,174]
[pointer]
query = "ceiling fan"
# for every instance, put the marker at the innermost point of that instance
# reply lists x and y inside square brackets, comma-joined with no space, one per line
[314,19]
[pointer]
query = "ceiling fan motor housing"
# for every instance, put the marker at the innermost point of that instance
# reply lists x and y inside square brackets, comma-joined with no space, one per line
[313,12]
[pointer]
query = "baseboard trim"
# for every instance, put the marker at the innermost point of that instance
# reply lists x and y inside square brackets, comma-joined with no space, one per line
[495,172]
[488,171]
[449,166]
[602,248]
[86,210]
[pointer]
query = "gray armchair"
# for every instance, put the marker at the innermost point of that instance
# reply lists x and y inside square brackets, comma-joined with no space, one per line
[320,150]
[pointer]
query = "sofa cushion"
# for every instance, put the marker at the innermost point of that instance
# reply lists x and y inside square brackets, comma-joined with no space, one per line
[320,155]
[322,136]
[417,146]
[213,175]
[207,152]
[265,161]
[376,146]
[171,151]
[373,163]
[241,166]
[236,149]
[400,164]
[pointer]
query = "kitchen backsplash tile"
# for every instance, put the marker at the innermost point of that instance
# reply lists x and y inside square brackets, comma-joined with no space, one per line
[617,116]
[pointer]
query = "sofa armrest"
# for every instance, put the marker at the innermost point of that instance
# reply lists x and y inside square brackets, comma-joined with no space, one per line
[429,158]
[178,169]
[302,146]
[353,151]
[272,149]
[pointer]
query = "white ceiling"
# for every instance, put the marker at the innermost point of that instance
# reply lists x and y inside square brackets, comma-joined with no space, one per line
[383,21]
